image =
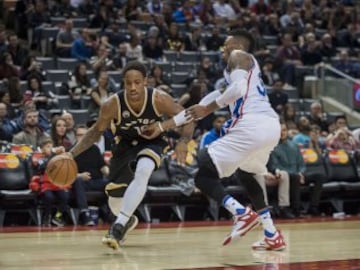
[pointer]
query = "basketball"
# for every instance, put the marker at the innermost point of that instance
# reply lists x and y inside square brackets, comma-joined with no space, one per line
[62,170]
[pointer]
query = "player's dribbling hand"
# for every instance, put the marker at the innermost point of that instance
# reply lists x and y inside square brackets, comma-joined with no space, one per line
[181,152]
[196,112]
[58,150]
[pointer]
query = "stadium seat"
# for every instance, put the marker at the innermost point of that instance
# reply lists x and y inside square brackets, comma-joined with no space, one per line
[178,90]
[58,75]
[179,77]
[185,67]
[80,116]
[213,55]
[49,86]
[57,21]
[67,63]
[80,22]
[271,40]
[166,66]
[64,102]
[85,101]
[171,56]
[116,75]
[189,56]
[46,62]
[15,195]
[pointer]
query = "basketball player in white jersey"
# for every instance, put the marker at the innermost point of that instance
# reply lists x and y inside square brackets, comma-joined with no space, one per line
[250,136]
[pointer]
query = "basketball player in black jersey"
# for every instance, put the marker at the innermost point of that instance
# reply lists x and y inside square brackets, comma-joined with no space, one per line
[135,155]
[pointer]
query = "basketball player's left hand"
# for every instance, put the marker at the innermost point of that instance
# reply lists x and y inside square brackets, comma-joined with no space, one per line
[197,112]
[181,152]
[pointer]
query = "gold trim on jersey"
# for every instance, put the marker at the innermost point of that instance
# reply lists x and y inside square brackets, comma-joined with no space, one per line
[119,111]
[152,154]
[143,107]
[154,104]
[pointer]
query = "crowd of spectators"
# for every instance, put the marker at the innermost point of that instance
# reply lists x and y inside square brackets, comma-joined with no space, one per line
[102,36]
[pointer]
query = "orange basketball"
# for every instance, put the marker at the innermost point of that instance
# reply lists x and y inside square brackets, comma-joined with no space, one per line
[62,170]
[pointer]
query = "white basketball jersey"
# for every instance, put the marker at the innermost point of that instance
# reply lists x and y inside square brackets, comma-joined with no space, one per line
[255,100]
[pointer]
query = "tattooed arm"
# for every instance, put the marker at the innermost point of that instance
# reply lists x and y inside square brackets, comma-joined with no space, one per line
[108,112]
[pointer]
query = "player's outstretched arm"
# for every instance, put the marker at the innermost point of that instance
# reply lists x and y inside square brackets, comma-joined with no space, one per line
[108,112]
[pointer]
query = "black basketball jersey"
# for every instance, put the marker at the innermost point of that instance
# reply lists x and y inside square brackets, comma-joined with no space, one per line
[127,125]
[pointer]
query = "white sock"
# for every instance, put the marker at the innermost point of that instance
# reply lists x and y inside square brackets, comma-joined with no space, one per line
[267,223]
[135,192]
[233,206]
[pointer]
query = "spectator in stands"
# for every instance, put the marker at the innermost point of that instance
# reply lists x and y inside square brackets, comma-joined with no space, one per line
[63,8]
[5,98]
[94,171]
[82,48]
[185,13]
[58,133]
[260,8]
[3,41]
[31,68]
[101,60]
[153,49]
[286,159]
[120,58]
[17,52]
[327,48]
[277,97]
[15,95]
[7,67]
[160,78]
[269,75]
[51,195]
[86,7]
[343,139]
[43,98]
[39,18]
[100,93]
[206,12]
[288,57]
[310,53]
[31,134]
[174,40]
[70,126]
[193,41]
[79,85]
[289,117]
[272,27]
[344,64]
[317,142]
[154,7]
[223,11]
[214,41]
[317,117]
[102,17]
[215,133]
[132,11]
[307,12]
[302,139]
[65,39]
[210,69]
[134,49]
[7,127]
[115,35]
[282,182]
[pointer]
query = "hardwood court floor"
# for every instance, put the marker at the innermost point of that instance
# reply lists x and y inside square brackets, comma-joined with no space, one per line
[184,246]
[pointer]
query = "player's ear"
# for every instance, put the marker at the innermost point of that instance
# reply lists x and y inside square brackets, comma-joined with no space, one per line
[145,81]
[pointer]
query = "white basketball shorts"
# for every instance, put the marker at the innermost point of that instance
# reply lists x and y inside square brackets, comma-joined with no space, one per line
[247,145]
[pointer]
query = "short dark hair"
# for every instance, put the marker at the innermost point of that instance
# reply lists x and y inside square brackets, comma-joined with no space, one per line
[45,141]
[135,65]
[243,34]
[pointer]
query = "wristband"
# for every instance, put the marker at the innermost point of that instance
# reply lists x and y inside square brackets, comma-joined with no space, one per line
[180,119]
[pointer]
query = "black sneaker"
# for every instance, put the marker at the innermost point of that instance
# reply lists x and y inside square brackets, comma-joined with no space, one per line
[117,233]
[86,219]
[58,220]
[47,221]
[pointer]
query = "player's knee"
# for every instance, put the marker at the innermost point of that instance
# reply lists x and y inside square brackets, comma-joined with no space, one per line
[144,168]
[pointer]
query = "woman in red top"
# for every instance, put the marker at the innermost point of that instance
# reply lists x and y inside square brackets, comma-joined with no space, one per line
[58,133]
